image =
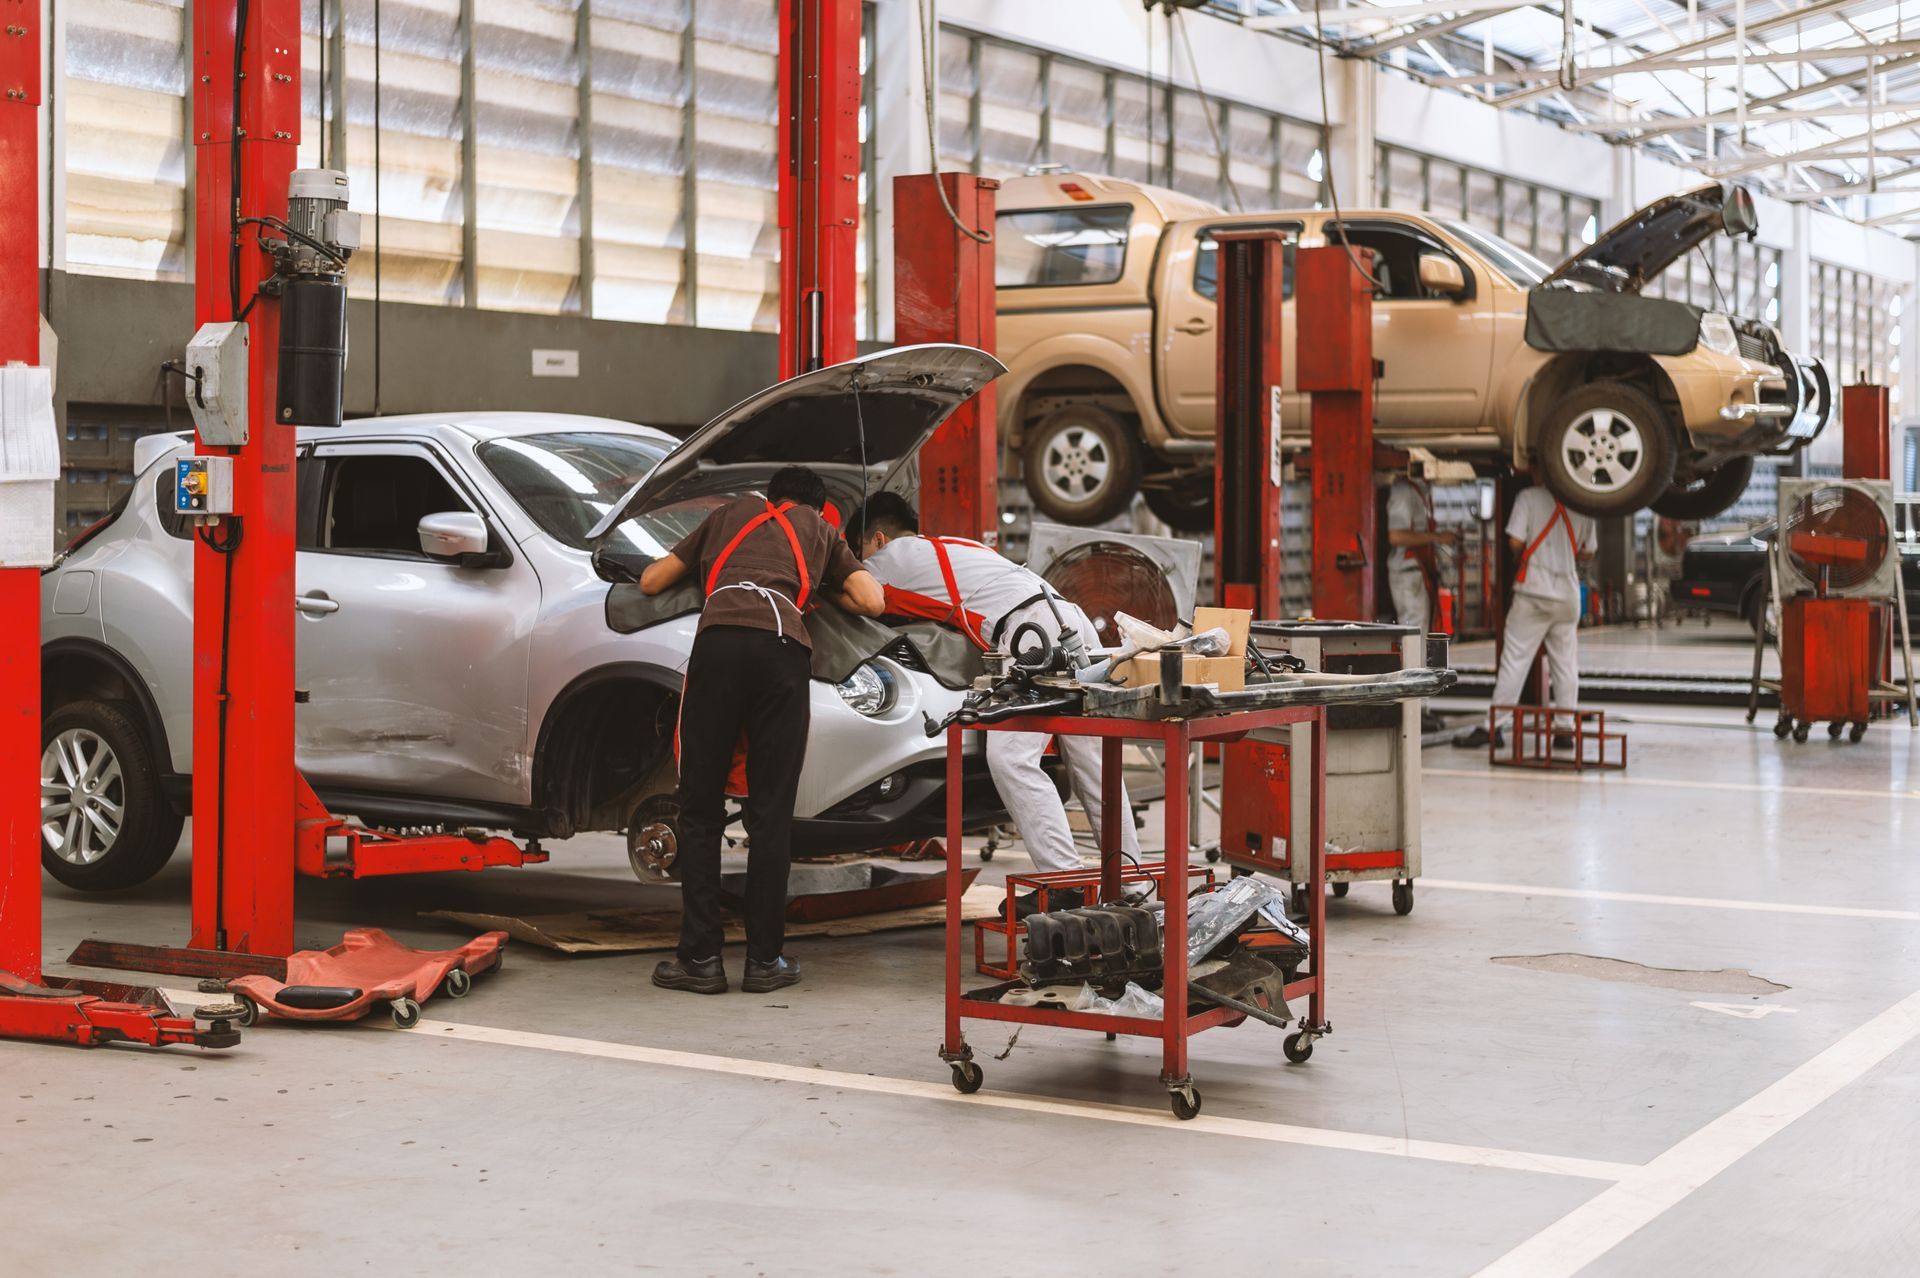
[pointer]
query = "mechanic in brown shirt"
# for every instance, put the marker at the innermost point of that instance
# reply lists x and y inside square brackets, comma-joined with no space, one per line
[761,562]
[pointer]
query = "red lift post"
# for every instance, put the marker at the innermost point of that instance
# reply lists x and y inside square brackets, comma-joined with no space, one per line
[1246,506]
[33,1005]
[943,291]
[1337,370]
[819,181]
[1866,430]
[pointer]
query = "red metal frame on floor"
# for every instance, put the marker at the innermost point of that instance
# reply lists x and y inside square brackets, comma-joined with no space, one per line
[1154,872]
[1535,727]
[1180,1021]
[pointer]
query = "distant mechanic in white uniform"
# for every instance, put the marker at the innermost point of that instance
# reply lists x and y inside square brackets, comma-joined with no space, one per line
[1551,542]
[1412,537]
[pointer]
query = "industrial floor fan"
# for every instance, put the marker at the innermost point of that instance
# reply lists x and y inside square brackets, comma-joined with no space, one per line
[1835,568]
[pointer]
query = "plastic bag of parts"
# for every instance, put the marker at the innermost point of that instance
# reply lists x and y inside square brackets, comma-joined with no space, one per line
[1212,917]
[1133,1001]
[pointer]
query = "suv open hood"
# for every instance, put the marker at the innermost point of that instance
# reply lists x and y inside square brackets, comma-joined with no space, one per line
[901,396]
[1647,243]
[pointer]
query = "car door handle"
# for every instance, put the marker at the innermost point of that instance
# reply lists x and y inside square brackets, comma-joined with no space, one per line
[315,605]
[1196,327]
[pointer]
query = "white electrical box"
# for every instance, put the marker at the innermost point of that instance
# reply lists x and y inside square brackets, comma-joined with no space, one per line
[203,486]
[29,466]
[217,383]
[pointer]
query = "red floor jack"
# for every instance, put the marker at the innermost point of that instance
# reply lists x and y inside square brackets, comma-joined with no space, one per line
[32,1005]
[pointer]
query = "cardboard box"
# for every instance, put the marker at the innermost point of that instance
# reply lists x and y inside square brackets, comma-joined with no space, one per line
[1229,673]
[1235,621]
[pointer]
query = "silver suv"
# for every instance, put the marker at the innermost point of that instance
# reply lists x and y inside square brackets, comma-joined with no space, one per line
[463,663]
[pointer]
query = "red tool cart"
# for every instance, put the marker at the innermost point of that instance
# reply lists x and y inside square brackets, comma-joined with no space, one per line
[1182,1019]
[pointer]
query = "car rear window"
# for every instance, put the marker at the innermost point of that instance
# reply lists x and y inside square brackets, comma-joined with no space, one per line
[1061,248]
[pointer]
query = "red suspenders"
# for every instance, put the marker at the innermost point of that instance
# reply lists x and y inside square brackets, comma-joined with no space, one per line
[778,514]
[1559,516]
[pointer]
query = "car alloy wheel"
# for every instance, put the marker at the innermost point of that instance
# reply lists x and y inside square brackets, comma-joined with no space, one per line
[1603,450]
[82,796]
[1078,463]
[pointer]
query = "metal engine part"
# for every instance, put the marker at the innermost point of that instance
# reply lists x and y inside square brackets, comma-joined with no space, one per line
[653,839]
[1106,945]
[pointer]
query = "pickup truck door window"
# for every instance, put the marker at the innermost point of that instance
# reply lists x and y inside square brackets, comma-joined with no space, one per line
[416,668]
[1188,318]
[1438,350]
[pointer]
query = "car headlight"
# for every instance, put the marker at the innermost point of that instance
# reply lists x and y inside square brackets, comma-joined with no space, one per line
[868,690]
[1717,335]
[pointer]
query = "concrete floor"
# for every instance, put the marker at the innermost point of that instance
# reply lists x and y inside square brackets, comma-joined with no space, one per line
[1466,1115]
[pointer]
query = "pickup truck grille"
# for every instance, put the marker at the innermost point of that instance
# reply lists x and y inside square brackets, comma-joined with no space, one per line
[1752,347]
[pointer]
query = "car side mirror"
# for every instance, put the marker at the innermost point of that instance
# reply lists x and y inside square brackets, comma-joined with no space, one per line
[620,567]
[453,534]
[1442,275]
[1737,215]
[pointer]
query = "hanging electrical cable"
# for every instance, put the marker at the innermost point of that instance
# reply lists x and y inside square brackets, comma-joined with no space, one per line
[1326,152]
[1569,71]
[929,35]
[377,183]
[1179,18]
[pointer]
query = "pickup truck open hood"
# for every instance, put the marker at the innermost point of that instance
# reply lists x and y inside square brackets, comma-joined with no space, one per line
[1647,243]
[901,396]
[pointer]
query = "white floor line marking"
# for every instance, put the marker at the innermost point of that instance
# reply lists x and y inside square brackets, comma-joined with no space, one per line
[1530,775]
[1609,1218]
[918,1089]
[1654,898]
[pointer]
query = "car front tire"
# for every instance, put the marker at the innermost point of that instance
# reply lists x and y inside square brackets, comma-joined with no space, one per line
[105,822]
[1606,450]
[1706,495]
[1081,464]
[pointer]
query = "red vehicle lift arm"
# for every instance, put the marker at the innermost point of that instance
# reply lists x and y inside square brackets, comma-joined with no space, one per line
[819,181]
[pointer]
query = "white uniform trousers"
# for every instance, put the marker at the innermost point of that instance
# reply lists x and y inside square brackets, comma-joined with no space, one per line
[1533,622]
[1410,602]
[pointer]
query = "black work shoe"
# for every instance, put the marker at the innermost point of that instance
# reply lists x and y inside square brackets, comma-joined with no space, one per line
[1563,741]
[1027,904]
[695,976]
[1477,739]
[764,978]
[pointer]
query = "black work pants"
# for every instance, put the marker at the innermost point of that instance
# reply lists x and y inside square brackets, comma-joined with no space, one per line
[740,680]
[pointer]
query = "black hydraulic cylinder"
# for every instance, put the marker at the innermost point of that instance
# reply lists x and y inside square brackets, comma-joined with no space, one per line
[313,350]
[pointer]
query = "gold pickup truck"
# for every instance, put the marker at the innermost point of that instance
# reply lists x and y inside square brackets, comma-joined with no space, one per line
[1107,320]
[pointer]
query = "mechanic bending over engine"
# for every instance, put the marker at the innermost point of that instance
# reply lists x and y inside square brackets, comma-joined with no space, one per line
[761,562]
[1551,543]
[988,597]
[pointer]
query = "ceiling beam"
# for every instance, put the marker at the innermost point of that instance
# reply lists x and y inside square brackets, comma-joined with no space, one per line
[1844,149]
[1755,28]
[1394,13]
[1665,63]
[1431,30]
[1655,126]
[1831,84]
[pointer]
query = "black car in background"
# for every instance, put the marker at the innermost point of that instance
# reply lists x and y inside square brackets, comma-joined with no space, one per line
[1726,573]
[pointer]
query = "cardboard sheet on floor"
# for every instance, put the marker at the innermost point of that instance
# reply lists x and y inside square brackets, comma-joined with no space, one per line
[639,931]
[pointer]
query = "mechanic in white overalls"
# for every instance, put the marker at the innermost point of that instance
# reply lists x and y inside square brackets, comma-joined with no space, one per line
[1551,542]
[987,597]
[1412,535]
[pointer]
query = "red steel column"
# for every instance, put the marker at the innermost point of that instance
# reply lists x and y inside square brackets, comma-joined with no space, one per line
[1866,424]
[1336,368]
[20,587]
[819,181]
[1246,494]
[943,292]
[243,812]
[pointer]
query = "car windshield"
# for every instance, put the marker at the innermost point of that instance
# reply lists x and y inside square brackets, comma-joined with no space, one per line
[568,480]
[1512,261]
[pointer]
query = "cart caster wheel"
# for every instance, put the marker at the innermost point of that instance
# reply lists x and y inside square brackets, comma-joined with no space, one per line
[1800,731]
[986,855]
[250,1014]
[1186,1103]
[1403,896]
[967,1077]
[1781,727]
[1213,856]
[457,984]
[1298,1047]
[406,1013]
[1298,904]
[1835,728]
[1341,887]
[1856,732]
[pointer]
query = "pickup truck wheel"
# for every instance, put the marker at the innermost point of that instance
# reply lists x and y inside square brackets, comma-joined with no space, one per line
[1707,495]
[104,821]
[1606,450]
[1082,464]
